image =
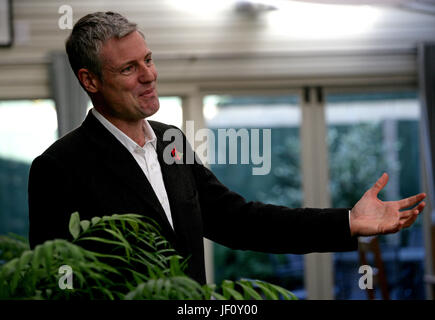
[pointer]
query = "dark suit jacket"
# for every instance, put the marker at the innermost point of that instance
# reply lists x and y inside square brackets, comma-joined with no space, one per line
[91,172]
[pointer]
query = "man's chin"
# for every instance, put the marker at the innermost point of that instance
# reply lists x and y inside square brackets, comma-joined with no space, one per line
[148,111]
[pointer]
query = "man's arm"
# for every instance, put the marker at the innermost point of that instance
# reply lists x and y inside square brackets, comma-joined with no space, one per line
[49,204]
[232,221]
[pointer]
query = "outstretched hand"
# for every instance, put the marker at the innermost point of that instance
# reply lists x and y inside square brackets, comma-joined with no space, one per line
[371,216]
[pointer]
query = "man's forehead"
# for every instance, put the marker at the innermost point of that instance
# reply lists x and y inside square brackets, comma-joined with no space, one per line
[118,51]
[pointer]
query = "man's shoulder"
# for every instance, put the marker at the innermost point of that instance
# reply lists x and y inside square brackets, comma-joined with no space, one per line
[68,144]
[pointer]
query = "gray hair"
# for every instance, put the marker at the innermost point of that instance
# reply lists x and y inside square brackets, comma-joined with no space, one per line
[89,35]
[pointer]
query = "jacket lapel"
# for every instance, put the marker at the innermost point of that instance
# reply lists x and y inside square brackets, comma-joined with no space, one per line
[172,177]
[182,193]
[119,162]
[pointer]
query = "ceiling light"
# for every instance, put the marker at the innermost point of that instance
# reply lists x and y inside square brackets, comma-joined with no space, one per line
[321,21]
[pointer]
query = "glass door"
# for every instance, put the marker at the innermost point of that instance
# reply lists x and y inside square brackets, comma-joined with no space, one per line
[253,117]
[368,134]
[27,128]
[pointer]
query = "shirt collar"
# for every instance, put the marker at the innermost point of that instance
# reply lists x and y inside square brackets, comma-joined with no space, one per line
[150,136]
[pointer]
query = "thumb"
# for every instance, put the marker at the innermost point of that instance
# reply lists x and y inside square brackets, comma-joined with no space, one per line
[380,184]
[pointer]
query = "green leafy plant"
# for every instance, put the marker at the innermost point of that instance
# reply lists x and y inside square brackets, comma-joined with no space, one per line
[12,246]
[357,160]
[113,257]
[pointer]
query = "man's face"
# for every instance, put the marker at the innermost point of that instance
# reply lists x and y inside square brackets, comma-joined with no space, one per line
[128,86]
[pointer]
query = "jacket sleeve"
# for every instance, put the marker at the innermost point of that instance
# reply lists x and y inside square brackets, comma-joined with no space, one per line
[50,188]
[232,221]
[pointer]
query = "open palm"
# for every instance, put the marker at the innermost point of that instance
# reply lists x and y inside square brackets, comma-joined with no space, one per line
[371,216]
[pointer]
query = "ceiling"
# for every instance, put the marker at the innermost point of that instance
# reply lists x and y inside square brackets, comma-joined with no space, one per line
[197,41]
[424,6]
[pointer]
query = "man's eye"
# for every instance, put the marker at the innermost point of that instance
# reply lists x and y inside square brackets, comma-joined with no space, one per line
[127,70]
[148,60]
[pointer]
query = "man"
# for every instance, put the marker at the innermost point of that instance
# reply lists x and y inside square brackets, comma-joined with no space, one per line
[114,163]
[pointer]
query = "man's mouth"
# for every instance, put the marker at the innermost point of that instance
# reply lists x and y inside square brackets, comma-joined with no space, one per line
[148,93]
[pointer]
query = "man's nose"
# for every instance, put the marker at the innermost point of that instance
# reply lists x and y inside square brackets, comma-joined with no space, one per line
[146,73]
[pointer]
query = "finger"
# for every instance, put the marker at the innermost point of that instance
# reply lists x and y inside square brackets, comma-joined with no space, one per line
[414,212]
[420,206]
[408,202]
[380,184]
[408,222]
[405,215]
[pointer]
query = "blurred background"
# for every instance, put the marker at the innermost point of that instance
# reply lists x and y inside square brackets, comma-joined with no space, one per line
[346,87]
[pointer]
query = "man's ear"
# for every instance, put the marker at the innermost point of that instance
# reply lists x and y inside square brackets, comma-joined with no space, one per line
[89,80]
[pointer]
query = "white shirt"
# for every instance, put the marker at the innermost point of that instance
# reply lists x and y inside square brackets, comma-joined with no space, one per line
[146,158]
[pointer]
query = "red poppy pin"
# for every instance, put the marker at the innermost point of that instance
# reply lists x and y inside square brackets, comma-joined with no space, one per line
[175,154]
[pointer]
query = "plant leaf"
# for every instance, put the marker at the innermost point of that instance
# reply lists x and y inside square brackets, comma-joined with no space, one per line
[74,225]
[247,287]
[267,291]
[95,220]
[85,225]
